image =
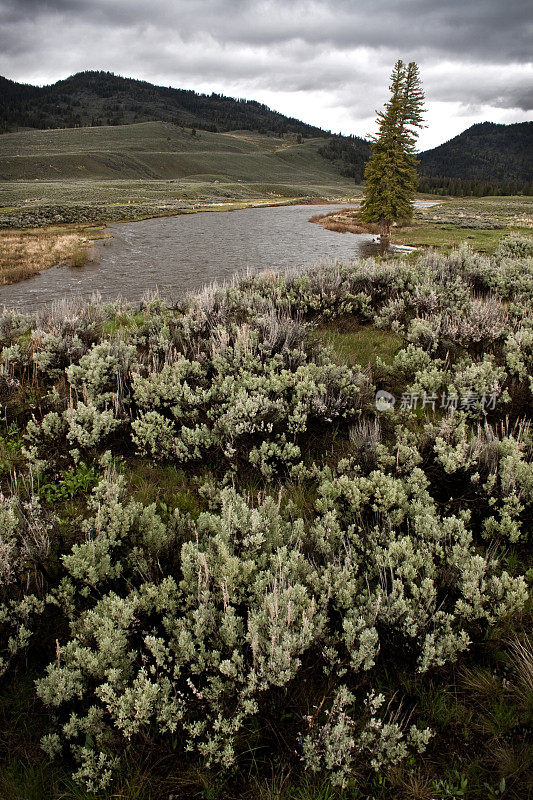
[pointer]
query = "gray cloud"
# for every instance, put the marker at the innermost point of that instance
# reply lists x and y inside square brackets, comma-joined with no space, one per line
[483,30]
[471,55]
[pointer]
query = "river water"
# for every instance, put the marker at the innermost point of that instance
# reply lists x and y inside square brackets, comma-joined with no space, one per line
[180,254]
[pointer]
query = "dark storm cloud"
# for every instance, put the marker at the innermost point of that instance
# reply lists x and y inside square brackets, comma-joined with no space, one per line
[470,53]
[480,30]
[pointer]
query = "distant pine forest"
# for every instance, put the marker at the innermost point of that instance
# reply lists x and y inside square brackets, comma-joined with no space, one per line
[486,159]
[462,187]
[103,98]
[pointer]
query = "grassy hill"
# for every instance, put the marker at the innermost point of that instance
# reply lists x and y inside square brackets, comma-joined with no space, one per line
[485,159]
[159,150]
[109,133]
[95,175]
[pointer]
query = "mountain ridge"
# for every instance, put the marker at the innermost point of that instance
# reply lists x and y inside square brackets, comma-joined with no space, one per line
[111,99]
[487,158]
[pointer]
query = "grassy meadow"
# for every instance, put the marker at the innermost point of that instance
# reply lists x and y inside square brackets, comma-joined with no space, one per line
[480,222]
[201,166]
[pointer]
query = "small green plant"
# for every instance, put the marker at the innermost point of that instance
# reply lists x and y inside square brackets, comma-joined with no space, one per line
[10,448]
[495,792]
[79,255]
[69,483]
[454,787]
[313,791]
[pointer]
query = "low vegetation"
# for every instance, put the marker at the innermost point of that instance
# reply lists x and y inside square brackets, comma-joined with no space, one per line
[227,570]
[25,253]
[480,222]
[346,220]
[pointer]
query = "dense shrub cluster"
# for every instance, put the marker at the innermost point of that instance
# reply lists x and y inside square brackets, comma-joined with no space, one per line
[25,544]
[191,626]
[328,542]
[191,388]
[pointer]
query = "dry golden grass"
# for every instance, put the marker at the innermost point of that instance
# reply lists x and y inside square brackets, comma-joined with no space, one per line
[413,786]
[24,253]
[522,656]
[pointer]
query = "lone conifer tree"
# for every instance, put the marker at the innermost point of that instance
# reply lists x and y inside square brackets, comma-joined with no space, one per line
[390,175]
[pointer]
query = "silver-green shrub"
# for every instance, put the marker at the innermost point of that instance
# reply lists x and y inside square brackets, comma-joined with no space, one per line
[330,541]
[186,628]
[25,543]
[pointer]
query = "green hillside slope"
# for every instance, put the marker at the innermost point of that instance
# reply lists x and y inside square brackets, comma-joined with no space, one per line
[101,174]
[159,150]
[92,106]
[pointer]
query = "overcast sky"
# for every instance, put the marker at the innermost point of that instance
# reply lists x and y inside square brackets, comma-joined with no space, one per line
[327,63]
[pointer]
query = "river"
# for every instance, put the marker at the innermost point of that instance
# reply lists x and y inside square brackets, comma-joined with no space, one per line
[180,254]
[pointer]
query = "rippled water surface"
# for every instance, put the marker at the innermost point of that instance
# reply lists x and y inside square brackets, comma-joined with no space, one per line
[180,254]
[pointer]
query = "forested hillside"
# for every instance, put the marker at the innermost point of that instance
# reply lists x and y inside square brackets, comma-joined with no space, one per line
[102,98]
[348,155]
[485,159]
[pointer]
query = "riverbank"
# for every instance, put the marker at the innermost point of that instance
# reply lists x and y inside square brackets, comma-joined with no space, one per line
[36,237]
[482,222]
[183,253]
[33,239]
[345,221]
[24,253]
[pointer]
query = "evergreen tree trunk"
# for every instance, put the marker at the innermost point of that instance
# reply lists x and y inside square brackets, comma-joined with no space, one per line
[384,234]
